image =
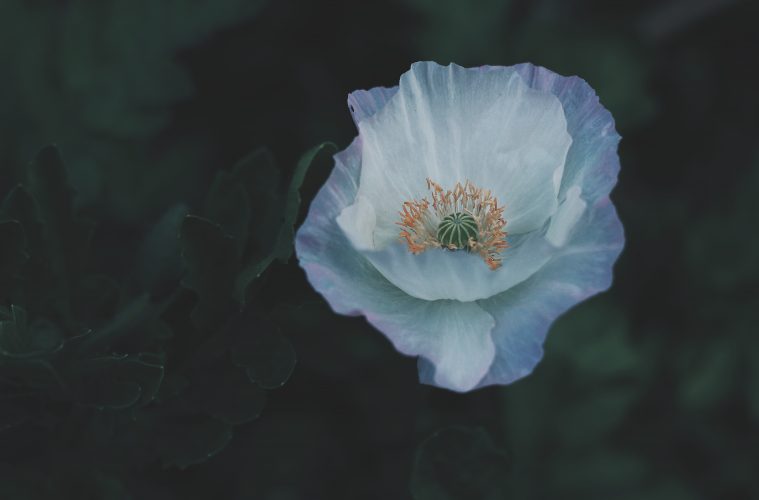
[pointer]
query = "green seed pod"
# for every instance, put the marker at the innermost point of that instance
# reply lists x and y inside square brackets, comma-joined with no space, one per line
[456,229]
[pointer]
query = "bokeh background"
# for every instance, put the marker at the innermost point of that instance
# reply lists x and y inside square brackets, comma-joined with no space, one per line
[649,391]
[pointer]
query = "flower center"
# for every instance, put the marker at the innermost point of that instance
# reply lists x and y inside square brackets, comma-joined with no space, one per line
[455,231]
[463,218]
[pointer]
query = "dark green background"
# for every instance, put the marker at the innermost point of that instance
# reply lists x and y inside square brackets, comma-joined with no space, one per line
[650,391]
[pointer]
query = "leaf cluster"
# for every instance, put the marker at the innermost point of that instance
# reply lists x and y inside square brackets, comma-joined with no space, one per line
[162,365]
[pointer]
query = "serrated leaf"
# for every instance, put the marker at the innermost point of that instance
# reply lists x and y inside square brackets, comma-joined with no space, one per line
[38,284]
[112,395]
[35,372]
[191,440]
[148,370]
[128,322]
[118,382]
[457,463]
[256,346]
[226,393]
[282,237]
[57,241]
[268,359]
[21,340]
[211,260]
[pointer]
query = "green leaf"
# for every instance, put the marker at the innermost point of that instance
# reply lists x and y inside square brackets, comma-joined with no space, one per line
[36,373]
[113,93]
[256,345]
[21,340]
[283,234]
[13,256]
[261,179]
[191,440]
[57,241]
[457,463]
[228,204]
[159,266]
[112,394]
[131,321]
[67,237]
[118,382]
[226,393]
[148,370]
[284,247]
[268,359]
[38,281]
[211,259]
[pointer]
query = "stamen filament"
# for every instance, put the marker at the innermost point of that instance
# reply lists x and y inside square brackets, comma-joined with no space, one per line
[465,210]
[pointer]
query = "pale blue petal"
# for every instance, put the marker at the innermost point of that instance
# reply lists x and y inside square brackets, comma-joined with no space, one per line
[453,336]
[592,161]
[452,124]
[323,250]
[458,349]
[455,124]
[566,217]
[365,103]
[524,313]
[589,234]
[439,274]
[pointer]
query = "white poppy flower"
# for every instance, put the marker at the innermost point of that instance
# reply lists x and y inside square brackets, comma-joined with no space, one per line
[469,213]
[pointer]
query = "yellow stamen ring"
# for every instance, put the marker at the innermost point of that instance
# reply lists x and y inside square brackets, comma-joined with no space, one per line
[464,218]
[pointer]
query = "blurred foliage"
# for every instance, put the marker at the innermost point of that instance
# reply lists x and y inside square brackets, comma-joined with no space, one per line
[459,463]
[149,304]
[104,80]
[159,375]
[498,30]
